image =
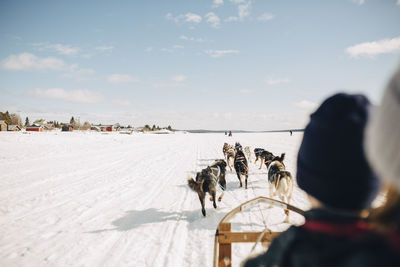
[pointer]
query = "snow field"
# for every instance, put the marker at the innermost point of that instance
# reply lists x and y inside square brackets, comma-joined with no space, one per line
[93,199]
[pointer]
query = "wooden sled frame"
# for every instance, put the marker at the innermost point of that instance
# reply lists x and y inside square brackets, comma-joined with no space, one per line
[224,237]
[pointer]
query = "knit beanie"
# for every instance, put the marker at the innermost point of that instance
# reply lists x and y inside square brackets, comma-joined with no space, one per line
[382,142]
[331,164]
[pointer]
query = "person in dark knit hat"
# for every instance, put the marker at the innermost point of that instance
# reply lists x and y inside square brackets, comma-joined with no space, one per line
[332,168]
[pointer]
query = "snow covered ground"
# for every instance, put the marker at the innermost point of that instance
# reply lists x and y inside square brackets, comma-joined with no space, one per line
[95,199]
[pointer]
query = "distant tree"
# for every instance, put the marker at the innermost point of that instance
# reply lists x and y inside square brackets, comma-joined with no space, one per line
[15,119]
[72,120]
[27,122]
[86,126]
[169,128]
[153,128]
[6,117]
[146,128]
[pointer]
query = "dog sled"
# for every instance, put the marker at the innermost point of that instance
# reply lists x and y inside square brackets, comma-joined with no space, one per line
[224,237]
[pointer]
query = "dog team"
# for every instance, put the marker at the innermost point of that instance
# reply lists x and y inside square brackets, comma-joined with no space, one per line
[235,157]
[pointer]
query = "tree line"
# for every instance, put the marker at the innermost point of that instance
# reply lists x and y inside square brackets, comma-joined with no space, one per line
[15,119]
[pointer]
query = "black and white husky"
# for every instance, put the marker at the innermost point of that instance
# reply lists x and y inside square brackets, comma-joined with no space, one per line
[207,181]
[280,181]
[240,165]
[262,154]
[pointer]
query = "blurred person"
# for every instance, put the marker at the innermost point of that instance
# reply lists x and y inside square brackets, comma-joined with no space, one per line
[333,170]
[383,152]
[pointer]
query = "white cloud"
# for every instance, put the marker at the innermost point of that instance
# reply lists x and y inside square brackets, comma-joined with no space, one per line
[231,19]
[188,17]
[104,48]
[78,74]
[79,96]
[212,19]
[149,49]
[266,17]
[244,7]
[65,49]
[178,46]
[359,2]
[186,38]
[306,105]
[169,16]
[121,102]
[60,48]
[218,3]
[244,10]
[191,17]
[272,81]
[27,61]
[121,78]
[179,78]
[220,53]
[375,48]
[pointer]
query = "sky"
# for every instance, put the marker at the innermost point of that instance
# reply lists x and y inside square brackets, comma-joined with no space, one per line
[193,64]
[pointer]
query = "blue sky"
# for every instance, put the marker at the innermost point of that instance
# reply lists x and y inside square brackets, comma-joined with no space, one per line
[215,64]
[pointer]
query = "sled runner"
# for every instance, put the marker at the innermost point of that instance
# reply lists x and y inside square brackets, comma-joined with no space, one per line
[224,237]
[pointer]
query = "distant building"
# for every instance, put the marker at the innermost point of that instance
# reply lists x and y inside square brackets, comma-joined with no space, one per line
[40,122]
[106,128]
[34,128]
[3,126]
[14,128]
[47,127]
[67,128]
[95,128]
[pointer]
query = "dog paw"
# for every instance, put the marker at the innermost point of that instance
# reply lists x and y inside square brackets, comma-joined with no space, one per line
[211,199]
[219,199]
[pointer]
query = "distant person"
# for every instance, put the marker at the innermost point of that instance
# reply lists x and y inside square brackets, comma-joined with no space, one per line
[230,133]
[225,133]
[383,151]
[333,171]
[291,133]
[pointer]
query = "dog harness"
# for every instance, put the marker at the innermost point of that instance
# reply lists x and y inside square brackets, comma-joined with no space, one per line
[241,159]
[215,177]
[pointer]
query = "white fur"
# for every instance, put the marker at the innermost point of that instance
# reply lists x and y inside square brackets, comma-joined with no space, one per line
[247,150]
[231,160]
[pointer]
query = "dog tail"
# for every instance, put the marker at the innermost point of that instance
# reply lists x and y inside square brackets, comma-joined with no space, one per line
[195,186]
[288,185]
[282,157]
